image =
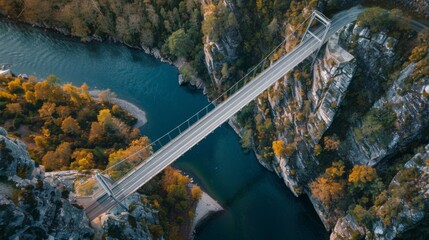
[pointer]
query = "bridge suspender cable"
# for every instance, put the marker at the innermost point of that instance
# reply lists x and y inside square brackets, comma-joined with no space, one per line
[209,118]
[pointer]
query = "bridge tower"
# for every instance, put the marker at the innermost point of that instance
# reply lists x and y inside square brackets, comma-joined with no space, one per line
[317,17]
[105,183]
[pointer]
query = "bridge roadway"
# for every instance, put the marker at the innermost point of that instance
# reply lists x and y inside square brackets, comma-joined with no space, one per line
[198,131]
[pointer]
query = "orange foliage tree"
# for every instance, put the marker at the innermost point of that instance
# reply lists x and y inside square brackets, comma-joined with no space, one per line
[279,148]
[327,190]
[362,174]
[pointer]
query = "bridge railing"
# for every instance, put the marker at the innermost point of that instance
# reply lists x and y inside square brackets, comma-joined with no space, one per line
[123,167]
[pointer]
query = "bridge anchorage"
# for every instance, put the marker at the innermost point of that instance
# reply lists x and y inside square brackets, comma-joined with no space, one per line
[106,189]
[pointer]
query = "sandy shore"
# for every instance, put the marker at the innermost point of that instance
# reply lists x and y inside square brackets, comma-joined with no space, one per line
[139,114]
[206,206]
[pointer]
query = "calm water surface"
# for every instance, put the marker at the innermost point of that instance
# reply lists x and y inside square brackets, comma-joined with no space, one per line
[257,204]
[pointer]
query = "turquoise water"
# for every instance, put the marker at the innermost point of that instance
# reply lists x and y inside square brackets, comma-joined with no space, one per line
[257,204]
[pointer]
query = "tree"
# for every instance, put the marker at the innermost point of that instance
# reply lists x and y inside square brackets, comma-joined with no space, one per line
[41,142]
[105,118]
[327,191]
[47,110]
[376,122]
[336,170]
[72,92]
[106,95]
[279,148]
[317,150]
[196,192]
[146,37]
[14,85]
[83,159]
[62,111]
[63,153]
[331,143]
[42,90]
[179,43]
[96,133]
[58,159]
[14,109]
[361,215]
[135,154]
[84,92]
[290,149]
[361,175]
[30,97]
[70,126]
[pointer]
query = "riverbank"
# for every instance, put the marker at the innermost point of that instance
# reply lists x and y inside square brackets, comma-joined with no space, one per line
[217,163]
[206,207]
[139,114]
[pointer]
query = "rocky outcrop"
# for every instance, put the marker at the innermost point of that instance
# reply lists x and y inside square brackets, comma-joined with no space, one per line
[119,223]
[409,104]
[347,228]
[31,208]
[331,79]
[412,113]
[14,158]
[309,112]
[410,210]
[223,50]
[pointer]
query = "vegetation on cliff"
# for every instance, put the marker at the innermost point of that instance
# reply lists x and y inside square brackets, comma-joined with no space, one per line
[367,192]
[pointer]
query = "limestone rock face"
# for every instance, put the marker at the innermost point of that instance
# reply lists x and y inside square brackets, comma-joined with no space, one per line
[217,53]
[31,208]
[120,224]
[409,213]
[412,113]
[346,228]
[331,78]
[14,158]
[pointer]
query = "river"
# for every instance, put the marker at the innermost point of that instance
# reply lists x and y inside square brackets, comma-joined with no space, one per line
[257,204]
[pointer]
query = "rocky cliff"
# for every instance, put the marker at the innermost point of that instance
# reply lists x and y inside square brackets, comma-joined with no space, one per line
[307,108]
[31,208]
[363,104]
[406,103]
[408,209]
[418,6]
[134,223]
[220,48]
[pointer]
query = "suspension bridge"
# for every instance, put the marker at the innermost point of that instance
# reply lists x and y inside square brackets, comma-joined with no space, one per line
[109,190]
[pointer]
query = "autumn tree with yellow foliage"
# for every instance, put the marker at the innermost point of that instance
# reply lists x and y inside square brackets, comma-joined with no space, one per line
[330,187]
[59,120]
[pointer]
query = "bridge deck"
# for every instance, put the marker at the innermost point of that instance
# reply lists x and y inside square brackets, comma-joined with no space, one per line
[181,144]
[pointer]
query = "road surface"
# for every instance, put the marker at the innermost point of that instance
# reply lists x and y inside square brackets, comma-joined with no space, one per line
[194,134]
